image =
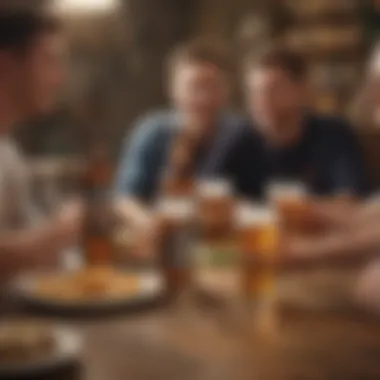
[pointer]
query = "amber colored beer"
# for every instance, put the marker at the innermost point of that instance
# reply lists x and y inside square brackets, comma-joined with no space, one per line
[99,220]
[177,189]
[215,208]
[178,180]
[290,200]
[259,239]
[177,186]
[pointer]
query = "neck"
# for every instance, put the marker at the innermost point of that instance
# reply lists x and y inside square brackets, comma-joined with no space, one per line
[289,132]
[8,113]
[200,130]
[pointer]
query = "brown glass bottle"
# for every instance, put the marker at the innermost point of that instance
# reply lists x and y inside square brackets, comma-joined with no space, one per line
[176,190]
[97,239]
[178,180]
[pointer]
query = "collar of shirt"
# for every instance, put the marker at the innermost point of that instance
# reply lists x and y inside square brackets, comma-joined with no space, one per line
[212,154]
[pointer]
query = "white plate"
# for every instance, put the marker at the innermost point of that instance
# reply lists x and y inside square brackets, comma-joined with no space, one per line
[151,287]
[67,350]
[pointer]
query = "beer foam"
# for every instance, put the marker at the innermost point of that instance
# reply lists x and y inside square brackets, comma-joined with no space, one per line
[255,215]
[286,189]
[176,208]
[214,188]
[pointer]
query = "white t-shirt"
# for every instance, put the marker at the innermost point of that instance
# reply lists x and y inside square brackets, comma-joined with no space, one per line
[16,206]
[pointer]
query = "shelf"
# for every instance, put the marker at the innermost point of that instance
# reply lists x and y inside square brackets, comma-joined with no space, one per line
[328,18]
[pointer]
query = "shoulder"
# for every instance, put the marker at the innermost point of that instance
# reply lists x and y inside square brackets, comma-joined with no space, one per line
[244,139]
[326,126]
[157,121]
[238,126]
[332,131]
[235,120]
[11,158]
[153,127]
[9,150]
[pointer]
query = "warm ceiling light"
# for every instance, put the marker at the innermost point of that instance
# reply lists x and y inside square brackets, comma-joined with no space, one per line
[85,6]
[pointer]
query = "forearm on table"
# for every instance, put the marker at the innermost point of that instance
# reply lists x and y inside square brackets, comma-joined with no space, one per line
[367,212]
[23,249]
[131,210]
[351,216]
[339,250]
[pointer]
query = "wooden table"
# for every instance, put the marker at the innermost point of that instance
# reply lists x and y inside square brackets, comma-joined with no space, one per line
[168,345]
[214,342]
[158,346]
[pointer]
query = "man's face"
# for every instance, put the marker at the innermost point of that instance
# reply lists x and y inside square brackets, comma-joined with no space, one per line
[37,76]
[273,97]
[199,91]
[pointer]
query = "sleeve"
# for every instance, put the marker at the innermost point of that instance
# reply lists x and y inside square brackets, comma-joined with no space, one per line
[25,210]
[348,170]
[136,172]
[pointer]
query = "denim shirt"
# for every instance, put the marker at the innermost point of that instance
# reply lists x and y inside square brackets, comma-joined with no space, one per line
[145,154]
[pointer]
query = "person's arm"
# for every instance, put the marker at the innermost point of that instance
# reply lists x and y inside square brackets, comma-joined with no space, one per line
[137,174]
[23,249]
[347,215]
[336,249]
[132,211]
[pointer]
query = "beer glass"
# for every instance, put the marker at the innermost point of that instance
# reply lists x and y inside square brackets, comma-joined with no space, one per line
[259,239]
[215,208]
[290,200]
[217,273]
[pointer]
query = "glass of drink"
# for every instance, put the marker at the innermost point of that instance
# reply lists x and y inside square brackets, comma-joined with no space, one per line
[259,240]
[215,208]
[100,218]
[290,200]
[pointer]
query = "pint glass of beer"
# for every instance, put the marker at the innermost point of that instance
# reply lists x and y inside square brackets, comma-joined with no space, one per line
[290,200]
[215,208]
[175,216]
[259,239]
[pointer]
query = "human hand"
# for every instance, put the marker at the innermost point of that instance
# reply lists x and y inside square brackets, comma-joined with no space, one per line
[331,213]
[69,222]
[147,237]
[298,252]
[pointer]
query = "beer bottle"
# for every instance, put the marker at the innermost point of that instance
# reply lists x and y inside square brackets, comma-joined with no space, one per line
[174,212]
[99,220]
[179,177]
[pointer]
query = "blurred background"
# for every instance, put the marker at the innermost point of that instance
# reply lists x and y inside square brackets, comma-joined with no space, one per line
[119,47]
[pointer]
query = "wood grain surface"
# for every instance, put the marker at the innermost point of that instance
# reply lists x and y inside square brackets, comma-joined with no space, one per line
[206,341]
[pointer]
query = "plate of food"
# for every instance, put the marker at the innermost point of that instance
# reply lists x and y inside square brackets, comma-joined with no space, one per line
[89,289]
[29,347]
